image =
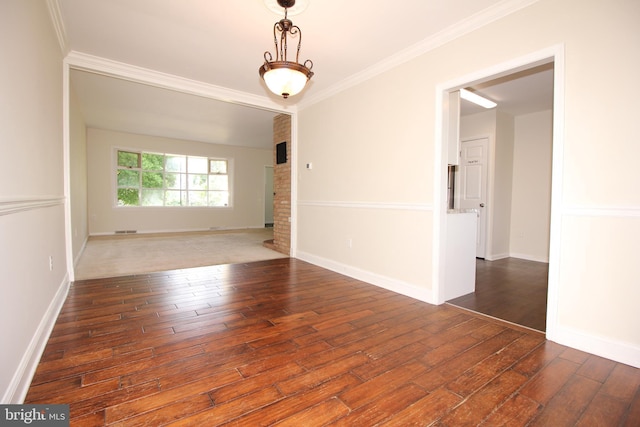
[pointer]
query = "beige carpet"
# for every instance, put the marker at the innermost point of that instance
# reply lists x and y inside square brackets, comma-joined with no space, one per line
[123,255]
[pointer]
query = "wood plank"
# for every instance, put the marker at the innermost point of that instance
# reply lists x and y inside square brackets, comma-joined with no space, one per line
[324,413]
[567,406]
[517,411]
[287,342]
[168,396]
[383,406]
[168,413]
[323,374]
[550,380]
[479,405]
[285,408]
[224,412]
[425,411]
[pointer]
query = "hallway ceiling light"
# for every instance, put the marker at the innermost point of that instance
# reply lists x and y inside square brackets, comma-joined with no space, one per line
[283,77]
[476,99]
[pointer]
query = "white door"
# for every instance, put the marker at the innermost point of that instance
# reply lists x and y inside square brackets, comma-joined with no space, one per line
[473,185]
[268,195]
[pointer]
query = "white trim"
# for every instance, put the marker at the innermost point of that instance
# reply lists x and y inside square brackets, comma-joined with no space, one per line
[19,384]
[398,286]
[367,205]
[601,346]
[602,211]
[180,230]
[66,171]
[525,257]
[85,62]
[440,171]
[293,196]
[459,29]
[58,25]
[19,205]
[495,257]
[557,188]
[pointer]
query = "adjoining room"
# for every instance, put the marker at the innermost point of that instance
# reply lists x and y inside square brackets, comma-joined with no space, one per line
[504,178]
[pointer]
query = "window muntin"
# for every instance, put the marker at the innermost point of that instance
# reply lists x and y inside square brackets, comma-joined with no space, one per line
[159,179]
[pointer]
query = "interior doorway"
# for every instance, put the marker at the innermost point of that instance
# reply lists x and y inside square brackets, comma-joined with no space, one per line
[268,196]
[502,268]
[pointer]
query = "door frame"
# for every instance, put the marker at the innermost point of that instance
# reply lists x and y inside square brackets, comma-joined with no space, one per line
[553,54]
[266,197]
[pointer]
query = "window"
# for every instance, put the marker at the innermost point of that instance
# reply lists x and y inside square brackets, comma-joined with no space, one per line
[155,179]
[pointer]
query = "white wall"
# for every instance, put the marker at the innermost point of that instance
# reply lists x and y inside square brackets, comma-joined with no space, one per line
[373,146]
[78,177]
[31,191]
[501,179]
[104,218]
[366,206]
[531,199]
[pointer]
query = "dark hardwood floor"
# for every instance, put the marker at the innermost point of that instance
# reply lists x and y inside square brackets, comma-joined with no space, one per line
[286,343]
[510,289]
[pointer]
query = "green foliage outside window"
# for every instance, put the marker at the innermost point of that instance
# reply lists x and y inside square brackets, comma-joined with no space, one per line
[152,179]
[128,160]
[128,197]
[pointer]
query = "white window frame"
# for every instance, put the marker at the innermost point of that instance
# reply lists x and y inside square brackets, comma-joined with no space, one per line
[139,152]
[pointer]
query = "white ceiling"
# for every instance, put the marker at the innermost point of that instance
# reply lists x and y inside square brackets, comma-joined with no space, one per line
[518,93]
[122,105]
[222,43]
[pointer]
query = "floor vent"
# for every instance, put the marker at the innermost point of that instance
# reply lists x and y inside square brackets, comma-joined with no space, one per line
[126,231]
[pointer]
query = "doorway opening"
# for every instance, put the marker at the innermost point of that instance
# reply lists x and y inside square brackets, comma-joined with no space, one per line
[268,196]
[514,281]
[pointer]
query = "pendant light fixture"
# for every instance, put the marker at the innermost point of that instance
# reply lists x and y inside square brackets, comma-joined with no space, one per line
[283,77]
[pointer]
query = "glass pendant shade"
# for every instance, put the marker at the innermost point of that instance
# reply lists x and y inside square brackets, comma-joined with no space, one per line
[285,79]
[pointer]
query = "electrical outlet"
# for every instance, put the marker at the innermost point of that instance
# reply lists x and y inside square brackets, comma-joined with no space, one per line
[349,242]
[50,263]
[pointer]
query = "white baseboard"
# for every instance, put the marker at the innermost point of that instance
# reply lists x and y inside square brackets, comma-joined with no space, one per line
[175,231]
[495,257]
[19,385]
[604,347]
[530,257]
[398,286]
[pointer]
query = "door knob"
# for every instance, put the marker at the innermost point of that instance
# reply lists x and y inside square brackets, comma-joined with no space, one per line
[482,205]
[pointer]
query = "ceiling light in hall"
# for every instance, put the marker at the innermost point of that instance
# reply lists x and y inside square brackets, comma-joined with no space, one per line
[283,77]
[476,99]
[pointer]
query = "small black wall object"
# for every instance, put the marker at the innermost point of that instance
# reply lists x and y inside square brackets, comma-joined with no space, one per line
[281,153]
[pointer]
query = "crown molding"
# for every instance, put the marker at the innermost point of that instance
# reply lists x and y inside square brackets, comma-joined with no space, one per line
[58,25]
[453,32]
[95,64]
